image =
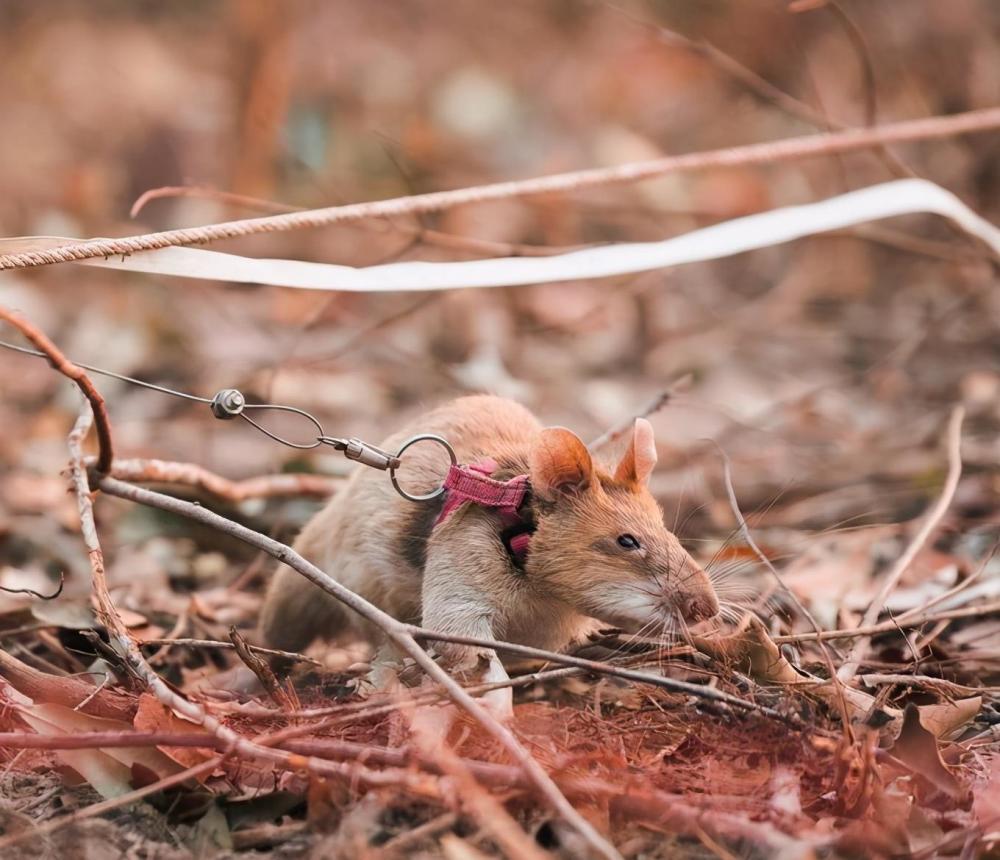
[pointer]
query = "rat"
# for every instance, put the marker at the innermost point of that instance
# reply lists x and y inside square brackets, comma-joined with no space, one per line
[590,545]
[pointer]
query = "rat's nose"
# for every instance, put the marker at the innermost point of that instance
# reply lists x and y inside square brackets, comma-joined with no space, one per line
[696,600]
[699,607]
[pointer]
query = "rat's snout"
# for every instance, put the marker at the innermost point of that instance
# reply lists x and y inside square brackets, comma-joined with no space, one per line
[697,600]
[699,607]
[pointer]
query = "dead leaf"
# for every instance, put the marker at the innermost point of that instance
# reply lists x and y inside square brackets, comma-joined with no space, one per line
[917,748]
[944,718]
[65,690]
[154,716]
[107,770]
[755,653]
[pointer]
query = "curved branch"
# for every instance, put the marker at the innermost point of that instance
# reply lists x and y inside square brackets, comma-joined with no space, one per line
[78,375]
[193,475]
[954,441]
[396,631]
[406,635]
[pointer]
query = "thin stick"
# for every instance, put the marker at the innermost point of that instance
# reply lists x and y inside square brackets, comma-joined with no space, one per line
[727,472]
[893,625]
[228,646]
[47,827]
[930,523]
[38,594]
[422,234]
[119,635]
[427,830]
[99,740]
[399,632]
[78,375]
[760,153]
[481,804]
[393,779]
[190,474]
[651,408]
[949,688]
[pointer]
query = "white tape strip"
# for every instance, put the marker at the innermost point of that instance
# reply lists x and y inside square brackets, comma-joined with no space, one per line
[890,199]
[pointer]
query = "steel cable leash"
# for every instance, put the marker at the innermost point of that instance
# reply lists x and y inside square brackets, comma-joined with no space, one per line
[230,403]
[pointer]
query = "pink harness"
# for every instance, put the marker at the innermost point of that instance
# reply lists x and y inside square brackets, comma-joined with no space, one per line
[473,484]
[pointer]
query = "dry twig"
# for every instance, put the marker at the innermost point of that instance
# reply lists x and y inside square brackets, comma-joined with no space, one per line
[954,441]
[133,657]
[402,633]
[760,153]
[455,241]
[727,471]
[655,405]
[894,625]
[228,646]
[189,474]
[77,374]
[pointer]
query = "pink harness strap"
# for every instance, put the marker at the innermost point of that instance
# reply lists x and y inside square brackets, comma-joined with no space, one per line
[473,483]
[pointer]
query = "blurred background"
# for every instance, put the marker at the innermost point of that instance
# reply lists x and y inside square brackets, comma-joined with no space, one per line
[825,368]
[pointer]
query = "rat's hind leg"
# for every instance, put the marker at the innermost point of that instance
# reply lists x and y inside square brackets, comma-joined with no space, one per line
[296,612]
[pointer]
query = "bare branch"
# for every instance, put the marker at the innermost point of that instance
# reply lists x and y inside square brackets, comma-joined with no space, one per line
[38,594]
[954,441]
[651,408]
[78,375]
[760,153]
[229,646]
[396,631]
[895,624]
[190,474]
[727,470]
[405,634]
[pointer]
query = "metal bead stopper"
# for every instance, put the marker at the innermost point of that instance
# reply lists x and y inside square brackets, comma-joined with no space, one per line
[228,403]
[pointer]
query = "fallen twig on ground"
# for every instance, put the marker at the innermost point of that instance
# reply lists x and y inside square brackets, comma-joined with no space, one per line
[401,635]
[228,646]
[405,632]
[481,805]
[893,625]
[954,441]
[120,637]
[839,697]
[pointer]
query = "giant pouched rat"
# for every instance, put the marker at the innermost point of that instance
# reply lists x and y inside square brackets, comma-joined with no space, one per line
[598,547]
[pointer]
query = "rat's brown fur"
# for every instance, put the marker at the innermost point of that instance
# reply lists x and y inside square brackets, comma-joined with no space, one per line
[458,578]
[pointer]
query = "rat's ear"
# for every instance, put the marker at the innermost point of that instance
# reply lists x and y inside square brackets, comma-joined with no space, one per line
[640,456]
[559,463]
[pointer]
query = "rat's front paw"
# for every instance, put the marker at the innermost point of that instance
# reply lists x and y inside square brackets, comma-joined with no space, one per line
[500,703]
[475,666]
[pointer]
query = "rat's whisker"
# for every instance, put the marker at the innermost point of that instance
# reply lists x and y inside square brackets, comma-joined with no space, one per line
[730,612]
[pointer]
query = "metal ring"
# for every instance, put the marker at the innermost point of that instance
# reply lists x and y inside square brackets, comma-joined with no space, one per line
[422,437]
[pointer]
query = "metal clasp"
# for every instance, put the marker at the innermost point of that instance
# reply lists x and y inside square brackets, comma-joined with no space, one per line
[362,452]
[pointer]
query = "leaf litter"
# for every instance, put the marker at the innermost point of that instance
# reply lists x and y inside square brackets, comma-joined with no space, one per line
[824,369]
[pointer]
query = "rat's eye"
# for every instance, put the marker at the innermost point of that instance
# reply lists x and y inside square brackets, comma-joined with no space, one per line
[628,542]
